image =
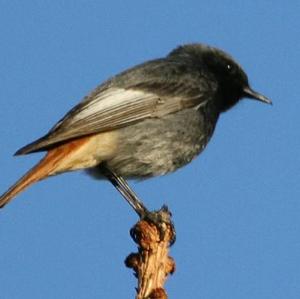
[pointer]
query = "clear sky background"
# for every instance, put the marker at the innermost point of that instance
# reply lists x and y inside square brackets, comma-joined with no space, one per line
[236,207]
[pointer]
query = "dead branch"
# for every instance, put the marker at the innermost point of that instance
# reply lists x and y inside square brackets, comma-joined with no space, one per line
[152,263]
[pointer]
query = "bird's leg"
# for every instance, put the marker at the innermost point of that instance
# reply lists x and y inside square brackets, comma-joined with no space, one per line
[122,186]
[160,218]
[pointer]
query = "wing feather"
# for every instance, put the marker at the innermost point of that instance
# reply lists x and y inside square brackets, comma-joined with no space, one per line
[112,106]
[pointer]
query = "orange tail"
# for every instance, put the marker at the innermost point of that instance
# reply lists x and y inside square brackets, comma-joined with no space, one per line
[65,157]
[40,171]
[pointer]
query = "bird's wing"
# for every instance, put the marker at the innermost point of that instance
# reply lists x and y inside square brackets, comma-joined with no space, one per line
[112,106]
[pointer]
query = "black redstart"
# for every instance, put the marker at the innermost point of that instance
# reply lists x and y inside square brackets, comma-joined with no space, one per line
[146,121]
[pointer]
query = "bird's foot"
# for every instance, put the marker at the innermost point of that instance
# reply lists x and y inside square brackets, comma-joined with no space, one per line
[162,220]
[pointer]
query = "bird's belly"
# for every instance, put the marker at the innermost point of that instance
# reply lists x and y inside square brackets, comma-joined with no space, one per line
[161,145]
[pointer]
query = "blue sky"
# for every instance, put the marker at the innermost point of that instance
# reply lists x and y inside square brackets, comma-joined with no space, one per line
[236,207]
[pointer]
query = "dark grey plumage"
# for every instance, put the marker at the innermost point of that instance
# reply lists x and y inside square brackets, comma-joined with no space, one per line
[146,121]
[198,82]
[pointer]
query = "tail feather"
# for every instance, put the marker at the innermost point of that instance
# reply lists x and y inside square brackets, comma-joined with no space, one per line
[65,157]
[40,171]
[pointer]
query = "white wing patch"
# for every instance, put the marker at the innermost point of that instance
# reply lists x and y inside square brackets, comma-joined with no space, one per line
[111,99]
[116,107]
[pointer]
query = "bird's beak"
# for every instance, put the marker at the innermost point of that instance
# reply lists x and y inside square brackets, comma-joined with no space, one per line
[250,93]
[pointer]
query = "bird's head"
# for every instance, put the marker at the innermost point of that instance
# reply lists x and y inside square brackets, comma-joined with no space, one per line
[232,81]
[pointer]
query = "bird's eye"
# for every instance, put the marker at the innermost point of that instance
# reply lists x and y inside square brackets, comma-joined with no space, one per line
[229,67]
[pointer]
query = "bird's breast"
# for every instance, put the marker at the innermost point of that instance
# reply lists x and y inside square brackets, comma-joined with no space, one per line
[160,145]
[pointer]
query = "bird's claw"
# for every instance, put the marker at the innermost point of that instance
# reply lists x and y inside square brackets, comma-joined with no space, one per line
[162,220]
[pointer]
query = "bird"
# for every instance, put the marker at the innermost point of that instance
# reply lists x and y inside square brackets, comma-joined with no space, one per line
[144,122]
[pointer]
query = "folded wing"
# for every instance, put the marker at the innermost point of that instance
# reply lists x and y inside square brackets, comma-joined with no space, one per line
[113,106]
